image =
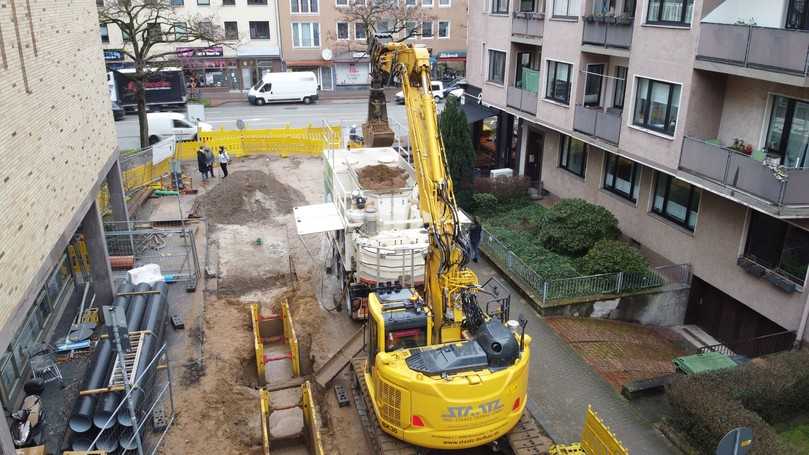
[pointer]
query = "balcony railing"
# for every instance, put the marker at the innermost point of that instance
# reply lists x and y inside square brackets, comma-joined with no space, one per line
[524,100]
[740,172]
[607,32]
[599,123]
[754,347]
[773,49]
[529,25]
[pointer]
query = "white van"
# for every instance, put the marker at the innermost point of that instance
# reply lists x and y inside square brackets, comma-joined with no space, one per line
[165,124]
[292,86]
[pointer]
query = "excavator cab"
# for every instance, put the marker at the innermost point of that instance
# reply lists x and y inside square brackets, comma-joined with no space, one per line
[403,321]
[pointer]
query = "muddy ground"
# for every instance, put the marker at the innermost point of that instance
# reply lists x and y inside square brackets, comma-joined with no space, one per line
[257,257]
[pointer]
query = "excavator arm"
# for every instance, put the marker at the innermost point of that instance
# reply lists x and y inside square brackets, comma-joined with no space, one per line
[446,275]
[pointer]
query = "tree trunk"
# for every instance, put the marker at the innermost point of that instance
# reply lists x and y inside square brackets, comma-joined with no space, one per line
[140,96]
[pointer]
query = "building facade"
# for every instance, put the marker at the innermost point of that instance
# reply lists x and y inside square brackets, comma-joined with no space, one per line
[316,36]
[51,234]
[252,43]
[687,119]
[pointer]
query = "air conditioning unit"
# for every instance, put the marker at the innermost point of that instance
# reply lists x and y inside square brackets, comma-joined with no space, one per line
[503,172]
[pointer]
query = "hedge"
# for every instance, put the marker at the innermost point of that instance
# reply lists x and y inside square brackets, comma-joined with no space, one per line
[573,226]
[768,390]
[612,256]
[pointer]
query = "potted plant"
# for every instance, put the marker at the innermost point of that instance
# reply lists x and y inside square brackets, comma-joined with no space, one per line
[740,146]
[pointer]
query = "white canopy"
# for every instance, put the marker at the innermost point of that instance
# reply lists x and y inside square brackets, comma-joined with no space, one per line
[312,219]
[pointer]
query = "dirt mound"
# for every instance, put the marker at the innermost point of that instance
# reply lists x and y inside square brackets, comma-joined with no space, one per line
[247,196]
[382,177]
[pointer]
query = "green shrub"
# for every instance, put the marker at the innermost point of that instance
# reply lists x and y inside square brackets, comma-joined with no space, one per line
[573,226]
[612,256]
[545,263]
[485,203]
[528,218]
[465,199]
[510,191]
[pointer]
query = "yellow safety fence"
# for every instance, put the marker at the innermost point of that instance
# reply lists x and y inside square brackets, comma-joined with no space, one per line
[279,141]
[596,439]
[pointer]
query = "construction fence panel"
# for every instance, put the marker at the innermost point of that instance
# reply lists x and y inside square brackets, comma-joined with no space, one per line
[281,141]
[597,439]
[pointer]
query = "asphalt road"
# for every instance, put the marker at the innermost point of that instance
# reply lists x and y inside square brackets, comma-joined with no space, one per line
[343,112]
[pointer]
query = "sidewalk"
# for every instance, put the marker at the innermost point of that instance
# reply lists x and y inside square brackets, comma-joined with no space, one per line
[220,96]
[562,384]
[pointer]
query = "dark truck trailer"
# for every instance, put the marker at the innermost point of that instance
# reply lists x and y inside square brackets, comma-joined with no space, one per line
[165,89]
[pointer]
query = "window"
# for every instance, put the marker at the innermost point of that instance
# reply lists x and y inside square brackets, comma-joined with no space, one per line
[341,2]
[558,87]
[411,29]
[125,35]
[629,8]
[259,30]
[603,7]
[444,3]
[207,28]
[359,31]
[180,31]
[342,30]
[573,156]
[566,8]
[676,12]
[58,279]
[622,176]
[443,29]
[676,200]
[497,66]
[593,84]
[382,27]
[256,2]
[304,6]
[305,34]
[228,2]
[788,131]
[499,6]
[154,33]
[231,31]
[204,2]
[427,3]
[797,15]
[656,105]
[105,33]
[527,6]
[779,246]
[620,87]
[427,29]
[177,2]
[526,61]
[410,2]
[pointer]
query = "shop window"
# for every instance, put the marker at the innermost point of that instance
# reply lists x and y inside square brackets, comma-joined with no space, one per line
[656,105]
[231,31]
[304,6]
[674,12]
[676,200]
[622,177]
[342,30]
[558,86]
[779,246]
[427,29]
[305,34]
[573,156]
[259,30]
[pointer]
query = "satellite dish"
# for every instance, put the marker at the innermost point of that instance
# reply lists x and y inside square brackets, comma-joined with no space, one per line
[240,124]
[326,54]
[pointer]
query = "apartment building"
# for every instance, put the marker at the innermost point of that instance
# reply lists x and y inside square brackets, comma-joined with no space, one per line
[688,119]
[316,36]
[62,155]
[252,47]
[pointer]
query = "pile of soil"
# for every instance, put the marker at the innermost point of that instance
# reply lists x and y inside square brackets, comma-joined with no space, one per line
[247,196]
[382,177]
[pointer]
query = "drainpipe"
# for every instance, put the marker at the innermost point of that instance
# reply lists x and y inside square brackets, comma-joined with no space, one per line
[804,317]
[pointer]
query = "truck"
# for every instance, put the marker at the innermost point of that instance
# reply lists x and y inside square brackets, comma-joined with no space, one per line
[165,89]
[280,87]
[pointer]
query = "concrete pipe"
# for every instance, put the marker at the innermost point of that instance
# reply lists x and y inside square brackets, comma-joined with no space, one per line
[127,440]
[106,405]
[81,420]
[154,321]
[81,441]
[108,441]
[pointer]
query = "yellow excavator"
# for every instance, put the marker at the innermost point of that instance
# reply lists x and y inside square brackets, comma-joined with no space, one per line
[440,372]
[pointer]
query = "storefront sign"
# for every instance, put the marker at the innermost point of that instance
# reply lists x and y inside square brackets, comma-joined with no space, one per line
[113,55]
[452,55]
[188,52]
[352,73]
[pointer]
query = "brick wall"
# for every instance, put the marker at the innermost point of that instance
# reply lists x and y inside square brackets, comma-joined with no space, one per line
[56,130]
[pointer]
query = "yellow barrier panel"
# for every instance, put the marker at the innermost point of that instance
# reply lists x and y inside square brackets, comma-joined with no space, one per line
[291,339]
[312,419]
[258,343]
[596,439]
[265,420]
[282,141]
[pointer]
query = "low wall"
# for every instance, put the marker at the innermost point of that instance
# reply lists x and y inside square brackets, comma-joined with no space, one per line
[664,308]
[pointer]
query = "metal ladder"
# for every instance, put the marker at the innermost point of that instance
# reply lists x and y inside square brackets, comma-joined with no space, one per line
[131,360]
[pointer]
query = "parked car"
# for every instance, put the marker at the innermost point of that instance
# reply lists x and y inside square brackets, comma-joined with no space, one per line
[438,92]
[455,88]
[117,112]
[278,87]
[164,124]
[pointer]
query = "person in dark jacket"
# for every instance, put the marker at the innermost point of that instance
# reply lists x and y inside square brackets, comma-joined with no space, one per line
[475,232]
[202,164]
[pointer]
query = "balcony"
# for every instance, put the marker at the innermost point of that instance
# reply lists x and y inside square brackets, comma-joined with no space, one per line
[599,123]
[524,100]
[774,54]
[607,32]
[527,27]
[743,176]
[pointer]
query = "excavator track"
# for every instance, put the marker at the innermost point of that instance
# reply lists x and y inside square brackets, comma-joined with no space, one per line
[526,438]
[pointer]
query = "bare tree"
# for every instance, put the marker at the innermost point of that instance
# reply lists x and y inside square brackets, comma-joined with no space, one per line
[150,29]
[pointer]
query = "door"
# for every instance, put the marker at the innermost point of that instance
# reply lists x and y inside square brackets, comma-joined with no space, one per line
[592,87]
[247,78]
[533,156]
[327,83]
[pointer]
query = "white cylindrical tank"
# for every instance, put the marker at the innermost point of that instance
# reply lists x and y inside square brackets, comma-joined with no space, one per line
[371,218]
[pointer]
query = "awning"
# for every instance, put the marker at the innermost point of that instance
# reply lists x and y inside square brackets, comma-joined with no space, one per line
[476,112]
[311,219]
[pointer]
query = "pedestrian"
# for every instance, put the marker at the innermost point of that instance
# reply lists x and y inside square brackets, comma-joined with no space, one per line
[224,159]
[474,238]
[202,164]
[208,159]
